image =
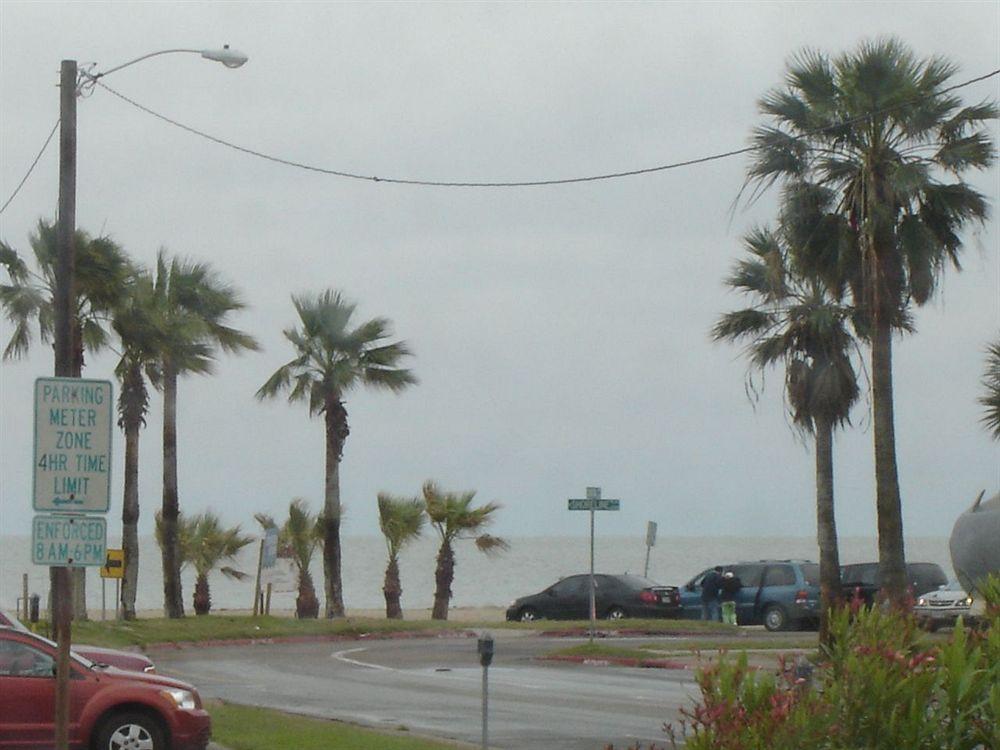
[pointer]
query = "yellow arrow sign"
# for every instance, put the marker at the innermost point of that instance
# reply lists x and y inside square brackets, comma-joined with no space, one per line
[114,564]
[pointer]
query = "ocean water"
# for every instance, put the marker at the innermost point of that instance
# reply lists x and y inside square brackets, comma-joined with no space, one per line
[530,564]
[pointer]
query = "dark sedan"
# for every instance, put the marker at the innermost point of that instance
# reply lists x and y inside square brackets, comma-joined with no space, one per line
[615,597]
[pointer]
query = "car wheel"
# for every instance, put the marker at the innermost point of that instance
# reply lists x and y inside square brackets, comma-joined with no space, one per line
[528,614]
[616,613]
[131,731]
[775,618]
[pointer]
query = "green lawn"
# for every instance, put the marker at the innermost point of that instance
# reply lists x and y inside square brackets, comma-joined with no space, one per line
[246,728]
[146,631]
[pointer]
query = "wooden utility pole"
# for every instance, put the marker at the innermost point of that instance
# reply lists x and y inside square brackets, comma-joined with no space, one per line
[65,295]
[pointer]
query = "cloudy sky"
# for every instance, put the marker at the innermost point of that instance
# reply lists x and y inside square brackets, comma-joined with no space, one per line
[560,333]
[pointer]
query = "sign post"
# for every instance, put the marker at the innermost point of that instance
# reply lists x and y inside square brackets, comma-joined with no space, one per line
[650,542]
[71,470]
[593,502]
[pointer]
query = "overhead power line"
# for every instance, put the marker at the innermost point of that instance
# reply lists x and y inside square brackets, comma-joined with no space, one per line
[517,183]
[30,169]
[93,79]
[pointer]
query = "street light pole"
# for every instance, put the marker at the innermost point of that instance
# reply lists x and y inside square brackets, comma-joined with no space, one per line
[61,582]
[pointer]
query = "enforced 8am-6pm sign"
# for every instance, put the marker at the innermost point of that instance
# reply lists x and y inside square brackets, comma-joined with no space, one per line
[72,456]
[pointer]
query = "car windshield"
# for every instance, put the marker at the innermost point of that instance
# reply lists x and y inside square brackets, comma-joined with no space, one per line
[72,654]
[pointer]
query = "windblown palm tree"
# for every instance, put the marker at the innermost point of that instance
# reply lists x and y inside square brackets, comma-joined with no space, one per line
[196,305]
[298,539]
[401,520]
[143,337]
[205,544]
[991,382]
[878,131]
[331,359]
[453,517]
[795,321]
[101,273]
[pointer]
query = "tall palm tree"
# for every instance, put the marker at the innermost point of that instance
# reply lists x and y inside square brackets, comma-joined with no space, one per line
[101,272]
[401,520]
[142,336]
[331,358]
[196,305]
[991,382]
[796,322]
[204,543]
[453,517]
[878,129]
[298,539]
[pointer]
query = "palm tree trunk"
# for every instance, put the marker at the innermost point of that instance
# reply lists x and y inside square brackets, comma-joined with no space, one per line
[392,590]
[891,554]
[306,603]
[130,521]
[336,422]
[202,596]
[443,577]
[79,575]
[173,602]
[826,528]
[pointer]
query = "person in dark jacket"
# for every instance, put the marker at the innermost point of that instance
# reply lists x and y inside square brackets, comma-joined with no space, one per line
[729,587]
[710,594]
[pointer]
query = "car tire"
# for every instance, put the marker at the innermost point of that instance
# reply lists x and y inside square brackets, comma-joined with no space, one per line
[131,731]
[775,618]
[528,614]
[616,613]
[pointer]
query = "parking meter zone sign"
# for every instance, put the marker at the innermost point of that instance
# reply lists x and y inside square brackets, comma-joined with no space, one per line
[69,541]
[72,445]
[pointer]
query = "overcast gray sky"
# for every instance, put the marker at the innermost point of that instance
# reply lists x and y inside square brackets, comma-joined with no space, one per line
[560,333]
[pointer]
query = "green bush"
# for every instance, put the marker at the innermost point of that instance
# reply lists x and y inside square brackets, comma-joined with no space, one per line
[883,684]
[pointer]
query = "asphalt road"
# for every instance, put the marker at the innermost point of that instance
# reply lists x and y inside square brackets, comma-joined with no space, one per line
[434,687]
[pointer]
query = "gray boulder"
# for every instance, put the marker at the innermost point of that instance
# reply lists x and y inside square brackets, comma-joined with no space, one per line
[975,541]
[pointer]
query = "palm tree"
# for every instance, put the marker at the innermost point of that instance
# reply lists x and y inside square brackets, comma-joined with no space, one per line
[795,321]
[878,130]
[298,539]
[195,304]
[453,518]
[204,543]
[101,271]
[332,358]
[401,520]
[991,382]
[142,335]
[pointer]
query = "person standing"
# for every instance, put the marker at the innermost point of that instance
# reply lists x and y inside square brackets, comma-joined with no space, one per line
[729,587]
[710,594]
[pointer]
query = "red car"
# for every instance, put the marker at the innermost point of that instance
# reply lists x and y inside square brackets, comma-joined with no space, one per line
[130,660]
[110,709]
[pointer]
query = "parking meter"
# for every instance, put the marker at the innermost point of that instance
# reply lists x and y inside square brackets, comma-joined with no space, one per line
[485,649]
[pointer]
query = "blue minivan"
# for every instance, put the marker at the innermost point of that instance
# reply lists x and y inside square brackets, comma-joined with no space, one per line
[778,594]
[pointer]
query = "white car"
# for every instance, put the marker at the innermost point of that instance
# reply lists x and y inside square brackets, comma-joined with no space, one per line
[943,606]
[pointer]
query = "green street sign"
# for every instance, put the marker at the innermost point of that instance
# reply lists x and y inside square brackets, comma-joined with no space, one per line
[72,456]
[69,541]
[585,503]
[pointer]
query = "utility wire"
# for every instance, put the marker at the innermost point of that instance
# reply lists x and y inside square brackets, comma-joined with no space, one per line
[525,183]
[93,80]
[30,169]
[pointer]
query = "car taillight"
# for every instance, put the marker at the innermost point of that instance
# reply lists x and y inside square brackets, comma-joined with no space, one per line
[649,597]
[801,596]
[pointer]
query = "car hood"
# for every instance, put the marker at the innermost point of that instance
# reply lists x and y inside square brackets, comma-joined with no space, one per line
[150,680]
[944,596]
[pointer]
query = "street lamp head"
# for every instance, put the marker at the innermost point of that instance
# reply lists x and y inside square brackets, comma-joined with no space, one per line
[229,57]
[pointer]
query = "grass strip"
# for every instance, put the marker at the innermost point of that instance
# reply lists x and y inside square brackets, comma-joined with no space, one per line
[146,631]
[246,728]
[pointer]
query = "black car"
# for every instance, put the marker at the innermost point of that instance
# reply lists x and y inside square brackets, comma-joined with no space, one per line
[615,597]
[863,580]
